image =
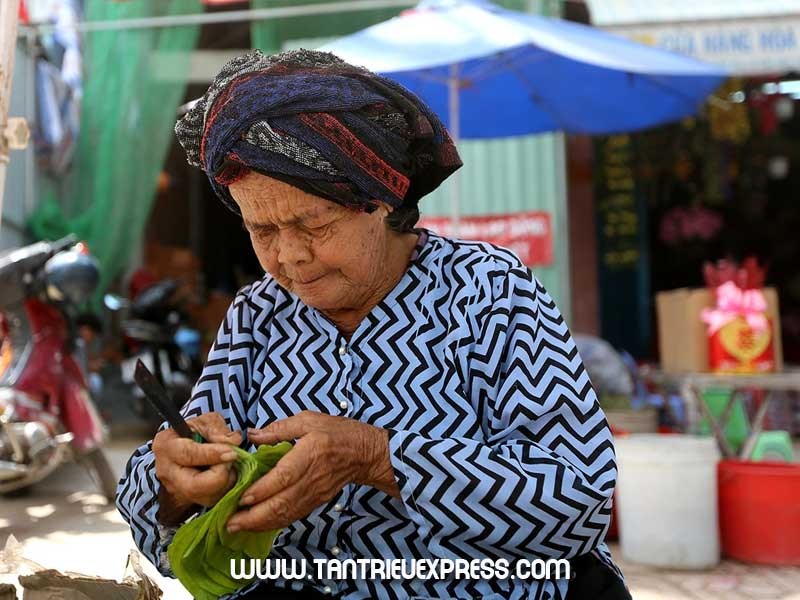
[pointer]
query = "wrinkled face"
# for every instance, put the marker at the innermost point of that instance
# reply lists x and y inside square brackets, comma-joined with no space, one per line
[330,256]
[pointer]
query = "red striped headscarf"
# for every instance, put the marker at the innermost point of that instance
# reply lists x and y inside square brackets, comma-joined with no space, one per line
[320,124]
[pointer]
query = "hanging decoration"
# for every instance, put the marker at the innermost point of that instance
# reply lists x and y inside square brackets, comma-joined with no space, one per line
[685,224]
[765,107]
[729,121]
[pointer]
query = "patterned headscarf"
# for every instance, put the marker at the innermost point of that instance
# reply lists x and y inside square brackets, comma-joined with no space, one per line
[320,124]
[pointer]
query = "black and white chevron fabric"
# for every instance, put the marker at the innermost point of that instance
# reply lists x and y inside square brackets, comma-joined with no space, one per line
[499,445]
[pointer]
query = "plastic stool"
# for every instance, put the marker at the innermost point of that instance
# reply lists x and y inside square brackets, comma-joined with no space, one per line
[773,446]
[738,426]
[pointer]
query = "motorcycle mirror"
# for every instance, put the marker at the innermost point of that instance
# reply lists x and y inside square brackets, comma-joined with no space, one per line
[113,302]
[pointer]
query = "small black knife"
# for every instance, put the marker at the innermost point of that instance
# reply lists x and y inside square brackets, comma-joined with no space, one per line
[160,400]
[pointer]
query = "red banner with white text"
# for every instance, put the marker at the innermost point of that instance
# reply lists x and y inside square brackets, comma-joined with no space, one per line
[528,234]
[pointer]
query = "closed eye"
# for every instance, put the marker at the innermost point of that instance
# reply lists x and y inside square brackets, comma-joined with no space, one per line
[261,230]
[315,229]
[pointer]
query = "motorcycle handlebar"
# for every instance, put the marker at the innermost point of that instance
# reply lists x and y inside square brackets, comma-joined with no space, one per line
[66,242]
[26,260]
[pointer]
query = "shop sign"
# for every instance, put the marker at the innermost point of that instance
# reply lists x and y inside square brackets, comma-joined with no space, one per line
[622,246]
[628,12]
[745,47]
[528,234]
[619,229]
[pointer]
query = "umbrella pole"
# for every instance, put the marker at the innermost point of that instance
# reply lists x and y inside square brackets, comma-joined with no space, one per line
[454,108]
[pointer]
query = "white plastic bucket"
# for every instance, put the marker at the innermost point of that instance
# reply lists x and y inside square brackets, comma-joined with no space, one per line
[667,500]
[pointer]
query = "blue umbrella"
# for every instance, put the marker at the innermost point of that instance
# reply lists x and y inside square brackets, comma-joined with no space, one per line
[491,72]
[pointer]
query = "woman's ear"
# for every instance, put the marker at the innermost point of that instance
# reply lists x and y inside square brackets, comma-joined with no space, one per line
[386,209]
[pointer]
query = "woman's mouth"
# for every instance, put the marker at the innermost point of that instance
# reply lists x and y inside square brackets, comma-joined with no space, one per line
[309,281]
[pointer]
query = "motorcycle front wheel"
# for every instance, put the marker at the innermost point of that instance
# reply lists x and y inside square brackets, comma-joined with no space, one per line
[102,474]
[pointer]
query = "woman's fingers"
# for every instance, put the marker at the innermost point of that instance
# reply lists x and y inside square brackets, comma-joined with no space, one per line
[178,460]
[204,487]
[285,474]
[287,429]
[188,453]
[275,512]
[212,427]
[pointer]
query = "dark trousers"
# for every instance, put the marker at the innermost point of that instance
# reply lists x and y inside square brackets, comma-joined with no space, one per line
[592,580]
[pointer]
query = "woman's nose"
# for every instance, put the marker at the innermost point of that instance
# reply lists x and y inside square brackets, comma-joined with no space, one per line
[293,248]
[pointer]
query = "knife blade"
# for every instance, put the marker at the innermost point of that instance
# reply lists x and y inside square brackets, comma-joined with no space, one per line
[160,400]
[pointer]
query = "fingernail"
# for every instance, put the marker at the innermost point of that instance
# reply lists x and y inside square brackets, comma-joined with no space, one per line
[227,456]
[246,500]
[233,528]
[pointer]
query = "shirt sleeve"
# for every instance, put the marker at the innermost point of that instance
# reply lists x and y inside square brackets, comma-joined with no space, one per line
[540,482]
[223,387]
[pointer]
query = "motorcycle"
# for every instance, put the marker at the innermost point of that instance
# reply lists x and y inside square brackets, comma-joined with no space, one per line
[47,416]
[155,332]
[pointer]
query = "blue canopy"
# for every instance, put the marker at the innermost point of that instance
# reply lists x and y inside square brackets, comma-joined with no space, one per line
[491,72]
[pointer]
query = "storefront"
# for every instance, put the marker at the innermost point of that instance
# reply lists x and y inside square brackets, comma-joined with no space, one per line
[723,185]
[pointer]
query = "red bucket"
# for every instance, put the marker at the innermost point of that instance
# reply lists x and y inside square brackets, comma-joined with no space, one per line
[759,511]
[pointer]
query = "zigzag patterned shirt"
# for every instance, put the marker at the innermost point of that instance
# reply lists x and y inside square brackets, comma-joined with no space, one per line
[498,444]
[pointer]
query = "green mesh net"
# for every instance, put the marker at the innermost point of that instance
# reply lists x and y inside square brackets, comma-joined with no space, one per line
[134,82]
[273,35]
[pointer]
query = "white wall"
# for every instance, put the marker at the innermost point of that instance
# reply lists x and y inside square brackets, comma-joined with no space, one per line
[19,197]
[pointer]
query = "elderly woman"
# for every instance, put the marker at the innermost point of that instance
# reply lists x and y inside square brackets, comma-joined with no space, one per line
[438,405]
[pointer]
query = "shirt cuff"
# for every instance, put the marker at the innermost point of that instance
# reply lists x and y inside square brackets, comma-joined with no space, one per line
[401,446]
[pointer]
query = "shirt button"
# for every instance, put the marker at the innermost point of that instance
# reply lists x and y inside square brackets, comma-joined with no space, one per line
[339,507]
[335,550]
[327,589]
[343,349]
[343,405]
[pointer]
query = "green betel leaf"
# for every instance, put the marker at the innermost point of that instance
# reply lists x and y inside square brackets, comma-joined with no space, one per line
[201,552]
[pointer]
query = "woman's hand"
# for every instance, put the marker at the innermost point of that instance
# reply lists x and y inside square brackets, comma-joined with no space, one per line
[178,462]
[330,453]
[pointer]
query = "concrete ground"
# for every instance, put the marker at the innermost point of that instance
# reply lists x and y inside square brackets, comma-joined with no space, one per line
[728,581]
[64,524]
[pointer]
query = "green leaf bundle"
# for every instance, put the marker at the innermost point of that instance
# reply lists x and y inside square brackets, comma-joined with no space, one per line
[201,552]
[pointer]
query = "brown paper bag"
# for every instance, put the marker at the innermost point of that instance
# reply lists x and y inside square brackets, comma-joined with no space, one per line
[682,339]
[49,584]
[8,592]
